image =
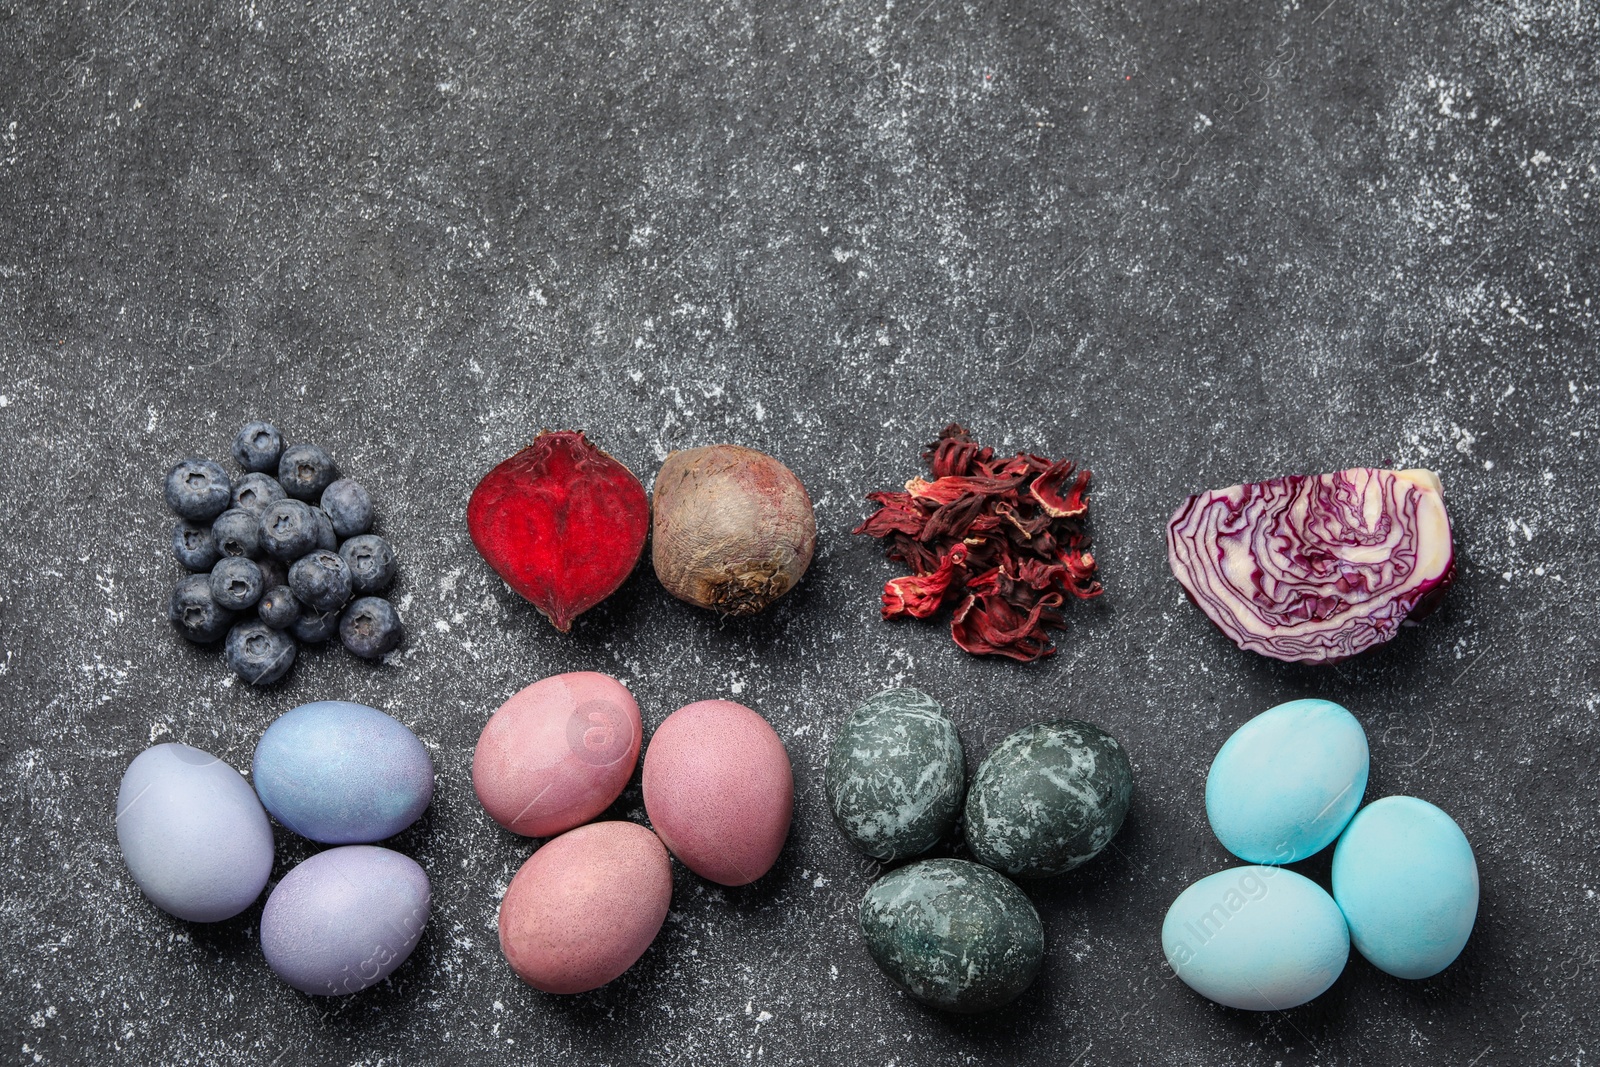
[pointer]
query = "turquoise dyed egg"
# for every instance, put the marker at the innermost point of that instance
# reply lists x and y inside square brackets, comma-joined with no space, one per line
[342,773]
[1405,878]
[1257,938]
[896,775]
[1287,781]
[954,935]
[1048,798]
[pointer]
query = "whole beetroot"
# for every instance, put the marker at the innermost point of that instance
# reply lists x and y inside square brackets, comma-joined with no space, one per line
[562,522]
[733,528]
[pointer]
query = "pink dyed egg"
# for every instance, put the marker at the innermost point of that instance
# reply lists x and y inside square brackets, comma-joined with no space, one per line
[585,907]
[557,753]
[719,790]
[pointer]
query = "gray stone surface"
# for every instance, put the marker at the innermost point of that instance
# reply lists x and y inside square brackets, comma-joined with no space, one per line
[1187,245]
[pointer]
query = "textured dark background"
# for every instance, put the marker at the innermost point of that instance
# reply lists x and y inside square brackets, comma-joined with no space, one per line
[1188,244]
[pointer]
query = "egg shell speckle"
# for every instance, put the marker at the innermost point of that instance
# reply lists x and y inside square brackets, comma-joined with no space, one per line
[719,790]
[557,753]
[1285,783]
[1048,798]
[954,935]
[1257,938]
[585,906]
[342,773]
[1405,878]
[192,833]
[345,919]
[896,775]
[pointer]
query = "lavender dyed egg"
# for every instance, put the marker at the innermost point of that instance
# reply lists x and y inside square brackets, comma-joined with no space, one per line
[557,753]
[192,833]
[344,919]
[342,773]
[719,790]
[584,908]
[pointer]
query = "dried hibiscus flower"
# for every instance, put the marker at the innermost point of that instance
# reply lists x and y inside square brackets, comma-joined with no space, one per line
[1001,539]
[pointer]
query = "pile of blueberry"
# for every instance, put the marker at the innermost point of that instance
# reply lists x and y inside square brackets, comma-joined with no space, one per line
[294,548]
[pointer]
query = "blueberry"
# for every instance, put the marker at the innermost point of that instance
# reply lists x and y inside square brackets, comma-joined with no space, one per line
[326,538]
[371,562]
[196,615]
[349,506]
[278,608]
[236,583]
[237,532]
[273,573]
[320,581]
[371,628]
[198,490]
[288,530]
[315,627]
[258,653]
[258,446]
[254,492]
[305,471]
[193,546]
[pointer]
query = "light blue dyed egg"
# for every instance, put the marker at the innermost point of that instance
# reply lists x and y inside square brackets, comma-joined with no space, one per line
[344,919]
[1404,876]
[342,773]
[192,833]
[1257,938]
[1287,781]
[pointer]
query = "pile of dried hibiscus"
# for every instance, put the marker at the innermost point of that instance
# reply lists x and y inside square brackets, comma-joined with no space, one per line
[1003,536]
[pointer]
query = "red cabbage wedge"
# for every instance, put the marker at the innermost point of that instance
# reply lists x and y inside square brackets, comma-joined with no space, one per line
[1315,568]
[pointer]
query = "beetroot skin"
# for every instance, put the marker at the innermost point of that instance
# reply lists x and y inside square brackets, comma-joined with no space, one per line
[734,529]
[562,522]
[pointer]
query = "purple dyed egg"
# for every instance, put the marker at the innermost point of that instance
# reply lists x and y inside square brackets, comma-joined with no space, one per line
[342,773]
[192,833]
[344,919]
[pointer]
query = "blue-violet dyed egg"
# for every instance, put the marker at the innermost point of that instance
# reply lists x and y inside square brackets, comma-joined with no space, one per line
[344,919]
[192,833]
[342,773]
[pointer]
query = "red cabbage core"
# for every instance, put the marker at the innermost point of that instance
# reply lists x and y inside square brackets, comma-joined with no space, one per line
[1315,568]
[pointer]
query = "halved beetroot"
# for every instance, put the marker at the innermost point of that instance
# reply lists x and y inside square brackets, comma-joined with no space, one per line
[562,522]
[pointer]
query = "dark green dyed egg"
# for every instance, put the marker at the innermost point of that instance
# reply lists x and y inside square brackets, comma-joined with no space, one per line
[895,775]
[1048,798]
[954,935]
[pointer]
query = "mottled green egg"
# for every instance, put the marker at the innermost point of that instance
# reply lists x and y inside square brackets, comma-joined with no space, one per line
[954,935]
[895,775]
[1048,798]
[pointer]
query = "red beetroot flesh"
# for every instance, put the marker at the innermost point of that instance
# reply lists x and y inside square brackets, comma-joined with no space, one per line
[1315,568]
[562,522]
